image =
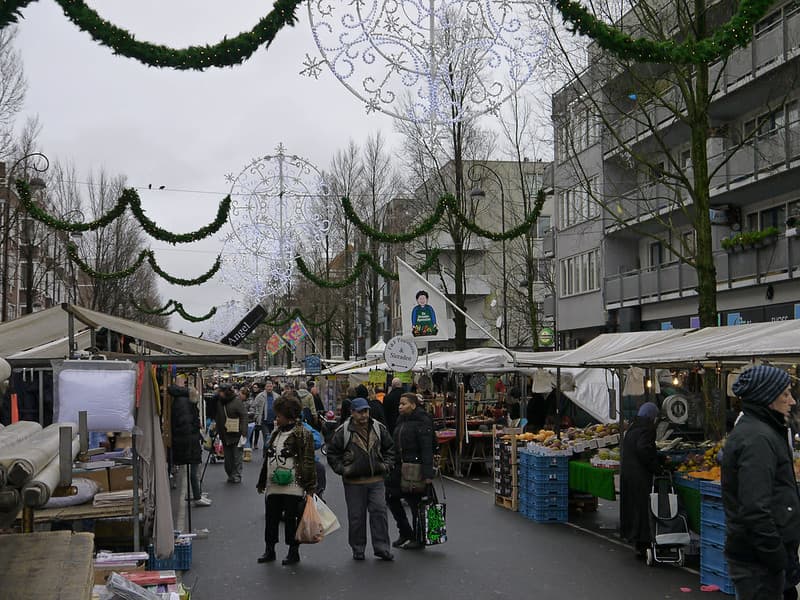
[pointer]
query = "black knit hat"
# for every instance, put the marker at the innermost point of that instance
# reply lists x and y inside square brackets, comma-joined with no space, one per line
[761,385]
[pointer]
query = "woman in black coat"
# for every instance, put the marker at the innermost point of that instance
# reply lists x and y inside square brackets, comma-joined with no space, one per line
[414,442]
[640,462]
[186,438]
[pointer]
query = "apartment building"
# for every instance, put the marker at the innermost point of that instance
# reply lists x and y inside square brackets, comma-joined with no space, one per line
[619,226]
[499,194]
[35,272]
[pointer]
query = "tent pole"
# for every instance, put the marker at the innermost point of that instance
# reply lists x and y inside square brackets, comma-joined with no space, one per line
[71,334]
[41,398]
[136,524]
[558,402]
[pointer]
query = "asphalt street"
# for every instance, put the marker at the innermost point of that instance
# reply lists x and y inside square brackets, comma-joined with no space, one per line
[491,553]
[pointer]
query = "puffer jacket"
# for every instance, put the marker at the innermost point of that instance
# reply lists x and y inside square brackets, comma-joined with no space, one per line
[759,490]
[185,424]
[414,442]
[232,408]
[299,445]
[359,461]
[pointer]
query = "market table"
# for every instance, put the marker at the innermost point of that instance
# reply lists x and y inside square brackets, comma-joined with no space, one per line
[445,438]
[583,477]
[80,511]
[475,450]
[52,565]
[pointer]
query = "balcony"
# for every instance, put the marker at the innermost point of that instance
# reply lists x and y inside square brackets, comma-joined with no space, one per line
[642,204]
[775,262]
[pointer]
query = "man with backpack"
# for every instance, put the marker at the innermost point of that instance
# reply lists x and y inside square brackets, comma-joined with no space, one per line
[362,452]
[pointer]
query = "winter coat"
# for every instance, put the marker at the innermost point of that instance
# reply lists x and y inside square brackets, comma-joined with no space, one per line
[361,461]
[640,462]
[185,421]
[255,408]
[233,408]
[376,412]
[414,442]
[759,489]
[391,408]
[300,445]
[309,408]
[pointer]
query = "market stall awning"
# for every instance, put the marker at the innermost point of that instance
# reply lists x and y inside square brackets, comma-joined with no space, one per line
[605,344]
[736,342]
[376,351]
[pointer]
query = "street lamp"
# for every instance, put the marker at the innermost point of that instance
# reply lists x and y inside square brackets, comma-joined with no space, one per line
[477,192]
[39,167]
[76,235]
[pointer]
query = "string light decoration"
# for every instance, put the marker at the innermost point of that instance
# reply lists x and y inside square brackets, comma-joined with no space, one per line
[227,53]
[410,58]
[278,213]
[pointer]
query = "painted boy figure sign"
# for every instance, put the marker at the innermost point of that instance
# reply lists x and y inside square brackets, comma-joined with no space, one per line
[423,317]
[424,308]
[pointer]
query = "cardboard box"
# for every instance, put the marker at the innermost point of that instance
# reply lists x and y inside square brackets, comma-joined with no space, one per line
[120,478]
[98,475]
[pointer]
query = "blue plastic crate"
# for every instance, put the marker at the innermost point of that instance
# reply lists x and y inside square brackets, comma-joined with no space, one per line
[713,532]
[713,577]
[551,475]
[712,556]
[559,488]
[711,510]
[525,458]
[550,462]
[711,488]
[550,502]
[181,559]
[550,515]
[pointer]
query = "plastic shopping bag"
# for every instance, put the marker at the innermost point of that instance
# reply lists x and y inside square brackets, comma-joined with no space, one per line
[432,519]
[309,529]
[328,518]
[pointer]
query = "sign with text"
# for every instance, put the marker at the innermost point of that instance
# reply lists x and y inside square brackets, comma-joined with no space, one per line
[313,364]
[245,326]
[400,354]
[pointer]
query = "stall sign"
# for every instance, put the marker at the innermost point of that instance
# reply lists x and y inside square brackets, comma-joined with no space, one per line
[313,364]
[377,376]
[400,354]
[404,376]
[245,326]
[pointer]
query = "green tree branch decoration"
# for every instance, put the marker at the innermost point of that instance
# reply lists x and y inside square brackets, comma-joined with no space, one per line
[72,253]
[364,259]
[129,198]
[276,321]
[520,230]
[736,33]
[425,227]
[171,307]
[226,53]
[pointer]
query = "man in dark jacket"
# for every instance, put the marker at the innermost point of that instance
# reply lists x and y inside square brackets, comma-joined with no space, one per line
[362,452]
[186,448]
[639,463]
[759,489]
[391,404]
[230,412]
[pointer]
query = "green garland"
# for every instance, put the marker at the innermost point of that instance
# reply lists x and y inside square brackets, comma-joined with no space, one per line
[273,321]
[511,234]
[736,33]
[171,307]
[425,227]
[128,198]
[226,53]
[72,253]
[364,259]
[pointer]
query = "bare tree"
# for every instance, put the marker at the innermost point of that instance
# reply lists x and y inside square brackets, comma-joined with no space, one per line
[13,87]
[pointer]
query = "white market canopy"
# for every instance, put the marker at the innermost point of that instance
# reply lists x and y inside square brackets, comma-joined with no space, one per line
[376,351]
[36,339]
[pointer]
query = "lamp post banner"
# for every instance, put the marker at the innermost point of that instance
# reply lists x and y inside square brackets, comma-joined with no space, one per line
[423,307]
[245,326]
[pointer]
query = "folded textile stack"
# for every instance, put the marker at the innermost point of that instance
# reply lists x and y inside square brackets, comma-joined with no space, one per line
[110,499]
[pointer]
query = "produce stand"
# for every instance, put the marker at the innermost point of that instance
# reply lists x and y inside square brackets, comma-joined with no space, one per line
[45,565]
[599,482]
[688,491]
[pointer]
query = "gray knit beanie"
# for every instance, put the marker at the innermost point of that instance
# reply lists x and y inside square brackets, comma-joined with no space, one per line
[761,385]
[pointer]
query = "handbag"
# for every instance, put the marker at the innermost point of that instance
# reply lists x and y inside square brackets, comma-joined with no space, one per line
[309,529]
[231,425]
[330,522]
[411,478]
[282,476]
[432,516]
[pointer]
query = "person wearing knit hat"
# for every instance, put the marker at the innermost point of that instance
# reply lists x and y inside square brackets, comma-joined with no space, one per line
[759,489]
[640,461]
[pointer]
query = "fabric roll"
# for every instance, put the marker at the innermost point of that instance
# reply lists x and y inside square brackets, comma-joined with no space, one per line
[34,454]
[37,492]
[16,433]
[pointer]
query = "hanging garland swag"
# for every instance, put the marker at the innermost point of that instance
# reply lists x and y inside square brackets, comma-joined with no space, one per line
[276,321]
[736,33]
[129,198]
[364,259]
[72,252]
[227,53]
[172,307]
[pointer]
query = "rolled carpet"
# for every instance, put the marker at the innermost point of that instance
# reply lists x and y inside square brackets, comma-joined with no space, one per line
[38,490]
[22,462]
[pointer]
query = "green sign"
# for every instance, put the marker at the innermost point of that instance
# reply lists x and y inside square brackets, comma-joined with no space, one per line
[546,336]
[404,376]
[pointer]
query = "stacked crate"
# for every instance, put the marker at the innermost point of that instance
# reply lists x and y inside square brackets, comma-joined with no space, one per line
[544,487]
[506,485]
[713,567]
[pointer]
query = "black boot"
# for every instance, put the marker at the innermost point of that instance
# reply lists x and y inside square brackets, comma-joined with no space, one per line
[268,556]
[293,557]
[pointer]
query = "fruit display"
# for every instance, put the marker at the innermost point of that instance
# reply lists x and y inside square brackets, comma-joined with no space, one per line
[572,440]
[703,465]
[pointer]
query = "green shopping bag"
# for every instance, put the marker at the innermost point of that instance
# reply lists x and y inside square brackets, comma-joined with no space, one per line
[432,518]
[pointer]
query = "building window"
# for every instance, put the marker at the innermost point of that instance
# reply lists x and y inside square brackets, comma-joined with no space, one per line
[533,183]
[578,205]
[580,273]
[542,225]
[656,254]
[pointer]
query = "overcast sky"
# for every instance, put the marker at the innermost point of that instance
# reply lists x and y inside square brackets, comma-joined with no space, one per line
[183,130]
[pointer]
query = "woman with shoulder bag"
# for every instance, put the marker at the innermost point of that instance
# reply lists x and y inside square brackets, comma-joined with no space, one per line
[287,474]
[232,427]
[415,442]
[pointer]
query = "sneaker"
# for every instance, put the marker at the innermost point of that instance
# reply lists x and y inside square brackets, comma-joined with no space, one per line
[398,543]
[412,545]
[202,501]
[387,556]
